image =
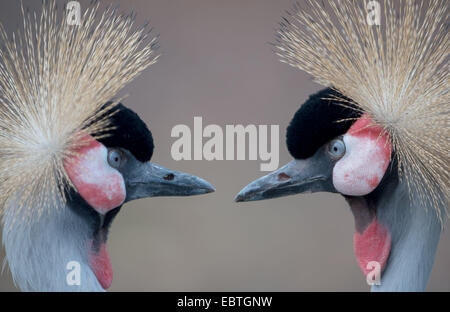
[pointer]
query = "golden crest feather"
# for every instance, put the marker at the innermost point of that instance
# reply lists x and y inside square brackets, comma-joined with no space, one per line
[398,72]
[54,80]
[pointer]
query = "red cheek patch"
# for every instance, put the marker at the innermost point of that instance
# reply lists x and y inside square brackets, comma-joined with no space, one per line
[373,245]
[98,183]
[368,154]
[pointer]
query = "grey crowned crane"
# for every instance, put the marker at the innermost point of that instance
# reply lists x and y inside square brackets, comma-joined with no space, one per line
[380,136]
[69,162]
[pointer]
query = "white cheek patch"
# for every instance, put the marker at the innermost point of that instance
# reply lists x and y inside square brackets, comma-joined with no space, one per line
[366,160]
[98,183]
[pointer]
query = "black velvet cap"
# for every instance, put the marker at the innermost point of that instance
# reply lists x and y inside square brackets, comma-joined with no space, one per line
[130,133]
[316,123]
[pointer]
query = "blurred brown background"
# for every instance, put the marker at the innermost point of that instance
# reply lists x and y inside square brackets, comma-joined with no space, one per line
[216,62]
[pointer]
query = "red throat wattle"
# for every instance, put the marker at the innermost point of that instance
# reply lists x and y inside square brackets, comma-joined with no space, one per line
[372,245]
[101,264]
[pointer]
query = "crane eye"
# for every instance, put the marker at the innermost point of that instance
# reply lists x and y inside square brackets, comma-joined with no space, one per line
[115,158]
[337,148]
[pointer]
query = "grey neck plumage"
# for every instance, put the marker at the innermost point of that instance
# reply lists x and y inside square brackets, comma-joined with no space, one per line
[415,231]
[38,253]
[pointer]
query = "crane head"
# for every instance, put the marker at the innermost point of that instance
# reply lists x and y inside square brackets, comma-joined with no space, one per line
[113,170]
[339,150]
[116,169]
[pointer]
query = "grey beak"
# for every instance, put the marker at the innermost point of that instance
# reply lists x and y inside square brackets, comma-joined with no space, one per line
[150,180]
[299,176]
